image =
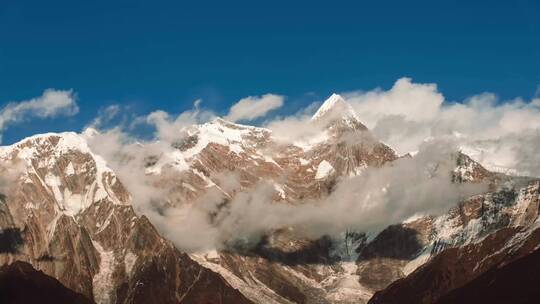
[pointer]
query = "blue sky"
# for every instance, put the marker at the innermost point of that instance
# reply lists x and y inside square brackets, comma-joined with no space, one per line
[165,54]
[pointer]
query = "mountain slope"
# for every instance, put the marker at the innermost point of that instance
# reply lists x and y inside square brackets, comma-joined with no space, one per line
[286,269]
[458,264]
[73,221]
[515,282]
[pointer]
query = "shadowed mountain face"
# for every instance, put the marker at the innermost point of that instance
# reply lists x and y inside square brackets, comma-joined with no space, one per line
[503,263]
[20,283]
[10,240]
[516,282]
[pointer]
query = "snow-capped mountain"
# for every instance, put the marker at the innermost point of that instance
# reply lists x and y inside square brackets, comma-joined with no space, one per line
[505,231]
[66,212]
[336,109]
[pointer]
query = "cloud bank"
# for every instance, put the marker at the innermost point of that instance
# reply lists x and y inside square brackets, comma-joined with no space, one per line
[369,202]
[408,117]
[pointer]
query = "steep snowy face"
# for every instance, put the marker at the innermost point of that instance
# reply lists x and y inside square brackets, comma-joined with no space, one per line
[335,103]
[238,139]
[491,160]
[469,170]
[335,110]
[63,166]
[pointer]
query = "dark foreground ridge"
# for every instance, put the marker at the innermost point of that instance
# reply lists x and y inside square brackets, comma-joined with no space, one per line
[20,283]
[486,272]
[516,282]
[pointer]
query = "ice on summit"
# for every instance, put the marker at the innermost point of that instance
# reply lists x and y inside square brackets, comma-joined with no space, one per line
[335,105]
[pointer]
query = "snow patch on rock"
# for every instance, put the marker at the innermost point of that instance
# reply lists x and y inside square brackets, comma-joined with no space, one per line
[102,281]
[129,262]
[324,170]
[69,169]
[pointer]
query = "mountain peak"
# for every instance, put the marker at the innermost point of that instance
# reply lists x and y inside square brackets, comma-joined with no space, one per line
[336,109]
[335,105]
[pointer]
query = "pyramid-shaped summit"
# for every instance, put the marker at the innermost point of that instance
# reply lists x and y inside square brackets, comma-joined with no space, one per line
[334,103]
[336,110]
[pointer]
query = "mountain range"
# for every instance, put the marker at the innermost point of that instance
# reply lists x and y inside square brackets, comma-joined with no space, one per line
[69,211]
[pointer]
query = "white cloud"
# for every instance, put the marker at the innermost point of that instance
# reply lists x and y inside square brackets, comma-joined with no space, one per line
[169,128]
[52,103]
[415,102]
[294,128]
[368,202]
[408,113]
[105,115]
[253,107]
[503,134]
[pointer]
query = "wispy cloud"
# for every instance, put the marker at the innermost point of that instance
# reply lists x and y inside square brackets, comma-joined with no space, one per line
[105,116]
[253,107]
[52,103]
